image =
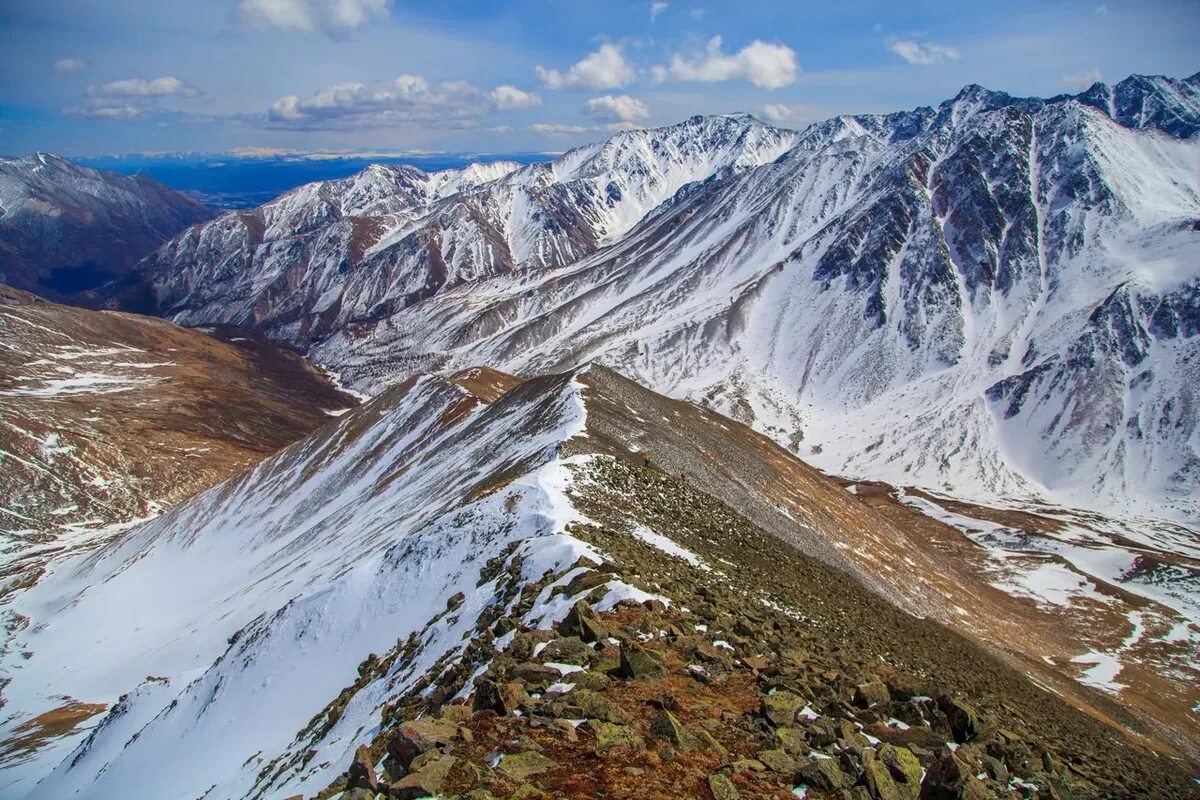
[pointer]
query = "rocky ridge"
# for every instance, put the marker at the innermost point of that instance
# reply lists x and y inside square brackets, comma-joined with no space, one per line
[376,596]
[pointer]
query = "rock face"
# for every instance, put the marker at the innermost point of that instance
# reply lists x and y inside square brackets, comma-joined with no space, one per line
[66,229]
[995,297]
[107,418]
[318,595]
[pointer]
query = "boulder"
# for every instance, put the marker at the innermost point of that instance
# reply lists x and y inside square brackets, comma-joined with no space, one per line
[879,779]
[592,705]
[611,737]
[503,698]
[872,693]
[419,736]
[362,771]
[778,761]
[722,788]
[638,663]
[425,782]
[963,718]
[904,767]
[780,707]
[667,726]
[567,650]
[824,774]
[521,766]
[582,621]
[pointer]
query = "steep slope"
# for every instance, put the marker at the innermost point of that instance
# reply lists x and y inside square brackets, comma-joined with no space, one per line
[65,229]
[333,256]
[106,418]
[409,553]
[995,297]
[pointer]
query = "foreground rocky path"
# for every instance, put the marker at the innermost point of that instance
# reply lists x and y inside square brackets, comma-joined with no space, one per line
[754,672]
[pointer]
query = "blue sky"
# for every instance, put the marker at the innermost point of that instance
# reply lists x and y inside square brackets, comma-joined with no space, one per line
[88,77]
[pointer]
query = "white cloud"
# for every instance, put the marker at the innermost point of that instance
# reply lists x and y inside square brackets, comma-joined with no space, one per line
[761,63]
[656,9]
[621,108]
[555,129]
[781,114]
[925,53]
[604,69]
[698,14]
[1102,9]
[1083,80]
[106,111]
[508,98]
[132,97]
[407,99]
[331,17]
[70,65]
[142,87]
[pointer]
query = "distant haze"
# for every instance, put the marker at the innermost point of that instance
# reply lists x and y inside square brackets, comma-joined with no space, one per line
[229,182]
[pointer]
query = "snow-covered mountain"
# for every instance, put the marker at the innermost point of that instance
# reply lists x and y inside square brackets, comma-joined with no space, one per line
[106,418]
[370,574]
[65,228]
[995,298]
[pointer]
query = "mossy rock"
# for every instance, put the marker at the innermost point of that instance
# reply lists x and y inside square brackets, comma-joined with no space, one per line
[612,737]
[520,766]
[722,788]
[780,707]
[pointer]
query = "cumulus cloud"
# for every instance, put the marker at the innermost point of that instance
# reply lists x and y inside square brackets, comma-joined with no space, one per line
[924,53]
[332,17]
[132,97]
[1083,80]
[65,65]
[604,69]
[760,63]
[620,108]
[408,98]
[508,98]
[656,9]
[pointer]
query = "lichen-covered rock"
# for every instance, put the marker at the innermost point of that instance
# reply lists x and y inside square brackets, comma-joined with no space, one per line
[521,766]
[593,705]
[722,788]
[425,782]
[963,718]
[582,621]
[667,726]
[503,698]
[638,663]
[869,694]
[780,707]
[611,737]
[778,761]
[567,650]
[879,779]
[824,774]
[904,767]
[419,736]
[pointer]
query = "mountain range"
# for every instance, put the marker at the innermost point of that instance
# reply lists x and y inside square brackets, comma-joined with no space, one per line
[67,229]
[994,298]
[716,460]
